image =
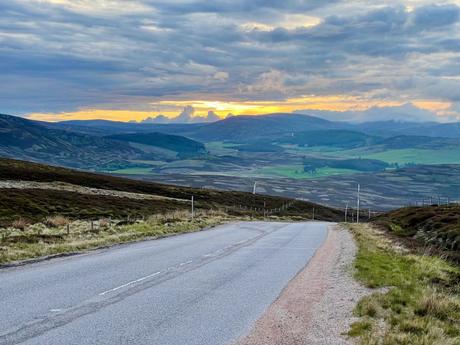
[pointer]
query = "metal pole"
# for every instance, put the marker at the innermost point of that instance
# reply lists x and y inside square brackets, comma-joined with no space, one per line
[193,207]
[313,214]
[346,213]
[255,187]
[357,204]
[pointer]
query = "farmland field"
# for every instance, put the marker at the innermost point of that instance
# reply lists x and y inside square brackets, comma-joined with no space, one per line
[133,171]
[417,156]
[297,172]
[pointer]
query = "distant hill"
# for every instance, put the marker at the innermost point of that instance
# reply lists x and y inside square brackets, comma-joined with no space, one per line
[334,137]
[30,140]
[446,130]
[184,147]
[420,142]
[249,128]
[106,127]
[395,128]
[24,139]
[242,129]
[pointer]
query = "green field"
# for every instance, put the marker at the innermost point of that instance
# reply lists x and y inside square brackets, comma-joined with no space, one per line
[133,171]
[296,172]
[221,148]
[417,156]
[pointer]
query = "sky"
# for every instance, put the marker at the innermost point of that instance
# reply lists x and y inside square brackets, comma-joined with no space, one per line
[131,60]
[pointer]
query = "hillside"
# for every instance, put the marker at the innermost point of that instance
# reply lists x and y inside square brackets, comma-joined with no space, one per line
[419,142]
[40,142]
[24,139]
[184,147]
[434,225]
[106,127]
[334,138]
[248,128]
[235,128]
[16,202]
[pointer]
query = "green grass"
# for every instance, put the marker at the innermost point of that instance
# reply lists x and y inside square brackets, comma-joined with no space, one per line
[296,172]
[133,171]
[417,156]
[421,304]
[221,148]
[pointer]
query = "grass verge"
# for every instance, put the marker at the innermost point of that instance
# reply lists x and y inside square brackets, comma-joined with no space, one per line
[55,237]
[421,304]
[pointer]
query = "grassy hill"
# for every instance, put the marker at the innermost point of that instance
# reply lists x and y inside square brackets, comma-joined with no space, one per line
[41,142]
[437,226]
[24,139]
[336,138]
[184,147]
[19,203]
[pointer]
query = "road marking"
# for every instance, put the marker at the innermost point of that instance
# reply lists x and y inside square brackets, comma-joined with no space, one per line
[185,263]
[130,283]
[55,310]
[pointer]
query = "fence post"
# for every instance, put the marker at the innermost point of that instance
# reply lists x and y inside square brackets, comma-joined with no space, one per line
[358,203]
[193,207]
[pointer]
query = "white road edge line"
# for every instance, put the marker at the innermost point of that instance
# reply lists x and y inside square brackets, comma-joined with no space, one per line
[130,283]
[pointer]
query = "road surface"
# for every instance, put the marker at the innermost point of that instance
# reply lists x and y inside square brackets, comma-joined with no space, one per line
[202,288]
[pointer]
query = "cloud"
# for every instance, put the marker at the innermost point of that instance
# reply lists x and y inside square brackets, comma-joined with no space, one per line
[407,112]
[61,55]
[186,116]
[436,15]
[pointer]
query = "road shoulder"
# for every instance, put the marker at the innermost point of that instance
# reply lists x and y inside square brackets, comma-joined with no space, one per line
[316,307]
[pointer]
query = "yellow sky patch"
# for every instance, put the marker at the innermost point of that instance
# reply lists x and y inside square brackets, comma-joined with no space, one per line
[171,108]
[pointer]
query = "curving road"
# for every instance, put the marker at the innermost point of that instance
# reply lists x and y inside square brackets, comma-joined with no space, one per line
[195,289]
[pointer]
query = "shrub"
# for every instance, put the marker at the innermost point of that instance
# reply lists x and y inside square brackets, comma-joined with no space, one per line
[56,221]
[20,224]
[104,223]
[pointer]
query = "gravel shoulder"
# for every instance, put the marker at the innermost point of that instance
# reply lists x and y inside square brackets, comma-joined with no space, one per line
[316,306]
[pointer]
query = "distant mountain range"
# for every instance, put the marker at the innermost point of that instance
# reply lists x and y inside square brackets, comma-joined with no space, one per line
[241,128]
[108,145]
[29,140]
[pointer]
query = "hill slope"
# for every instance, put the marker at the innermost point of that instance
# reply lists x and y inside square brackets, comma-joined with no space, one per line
[36,141]
[16,203]
[183,146]
[21,138]
[434,225]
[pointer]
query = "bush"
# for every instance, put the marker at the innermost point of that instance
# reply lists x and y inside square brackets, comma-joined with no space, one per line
[104,223]
[57,221]
[20,224]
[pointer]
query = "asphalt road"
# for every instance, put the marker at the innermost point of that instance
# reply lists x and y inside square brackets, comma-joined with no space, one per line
[194,289]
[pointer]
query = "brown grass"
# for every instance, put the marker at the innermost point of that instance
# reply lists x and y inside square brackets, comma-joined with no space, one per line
[56,221]
[20,224]
[42,240]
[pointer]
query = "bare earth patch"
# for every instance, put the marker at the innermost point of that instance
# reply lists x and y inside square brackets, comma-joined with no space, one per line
[317,305]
